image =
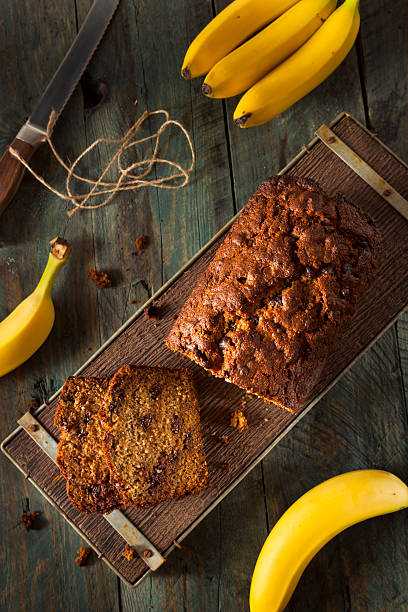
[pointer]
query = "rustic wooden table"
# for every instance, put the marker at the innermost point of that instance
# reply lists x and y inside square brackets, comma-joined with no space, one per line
[361,423]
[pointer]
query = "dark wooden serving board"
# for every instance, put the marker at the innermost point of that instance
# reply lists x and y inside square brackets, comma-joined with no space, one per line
[140,341]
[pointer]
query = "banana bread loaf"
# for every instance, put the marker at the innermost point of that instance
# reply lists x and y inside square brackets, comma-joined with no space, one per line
[153,443]
[80,457]
[279,290]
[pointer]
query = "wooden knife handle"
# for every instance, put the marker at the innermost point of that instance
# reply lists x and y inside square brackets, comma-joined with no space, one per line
[12,171]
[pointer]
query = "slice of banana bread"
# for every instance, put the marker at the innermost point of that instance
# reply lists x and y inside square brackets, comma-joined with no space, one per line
[153,442]
[280,290]
[80,457]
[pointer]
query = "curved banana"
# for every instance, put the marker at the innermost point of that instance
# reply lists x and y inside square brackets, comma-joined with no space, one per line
[227,30]
[303,71]
[311,522]
[28,325]
[247,64]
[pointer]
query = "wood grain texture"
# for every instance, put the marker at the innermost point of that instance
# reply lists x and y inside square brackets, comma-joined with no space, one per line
[206,573]
[384,299]
[29,579]
[387,94]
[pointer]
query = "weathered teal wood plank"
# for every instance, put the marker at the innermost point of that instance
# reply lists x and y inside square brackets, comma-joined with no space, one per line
[386,86]
[39,572]
[351,427]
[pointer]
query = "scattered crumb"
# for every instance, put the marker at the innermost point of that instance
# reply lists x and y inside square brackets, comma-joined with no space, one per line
[132,301]
[141,243]
[225,466]
[177,545]
[266,420]
[33,427]
[147,553]
[101,279]
[152,312]
[67,334]
[174,317]
[238,420]
[33,403]
[223,439]
[29,518]
[83,555]
[129,552]
[89,348]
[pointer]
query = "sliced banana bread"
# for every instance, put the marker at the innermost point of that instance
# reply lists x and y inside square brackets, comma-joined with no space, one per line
[80,457]
[153,442]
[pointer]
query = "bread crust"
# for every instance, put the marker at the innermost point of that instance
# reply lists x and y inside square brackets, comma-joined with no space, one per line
[280,290]
[80,456]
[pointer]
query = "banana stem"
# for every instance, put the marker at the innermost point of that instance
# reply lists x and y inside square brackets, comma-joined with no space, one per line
[58,256]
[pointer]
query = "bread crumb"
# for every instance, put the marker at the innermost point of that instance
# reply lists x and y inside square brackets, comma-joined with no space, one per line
[223,439]
[225,466]
[83,556]
[177,545]
[152,312]
[100,279]
[147,553]
[29,518]
[132,301]
[141,243]
[129,552]
[33,403]
[238,420]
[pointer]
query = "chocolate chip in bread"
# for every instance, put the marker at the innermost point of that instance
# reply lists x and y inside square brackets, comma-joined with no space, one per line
[80,457]
[153,443]
[280,290]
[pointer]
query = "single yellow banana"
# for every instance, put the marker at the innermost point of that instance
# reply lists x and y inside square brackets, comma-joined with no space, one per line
[311,522]
[28,325]
[227,30]
[303,71]
[247,64]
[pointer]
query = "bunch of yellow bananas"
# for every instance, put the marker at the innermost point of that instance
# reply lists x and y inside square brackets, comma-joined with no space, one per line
[305,41]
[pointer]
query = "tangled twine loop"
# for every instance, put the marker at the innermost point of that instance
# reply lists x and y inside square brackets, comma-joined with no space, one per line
[127,180]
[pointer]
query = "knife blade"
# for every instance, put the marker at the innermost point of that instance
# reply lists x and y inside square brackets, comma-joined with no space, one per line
[55,96]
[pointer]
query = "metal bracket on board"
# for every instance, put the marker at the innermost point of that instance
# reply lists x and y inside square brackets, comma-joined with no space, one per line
[120,523]
[364,171]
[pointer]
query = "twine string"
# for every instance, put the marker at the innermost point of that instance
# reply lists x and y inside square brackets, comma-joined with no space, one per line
[130,177]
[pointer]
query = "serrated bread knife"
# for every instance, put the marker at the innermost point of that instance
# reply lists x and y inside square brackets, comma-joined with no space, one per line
[55,96]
